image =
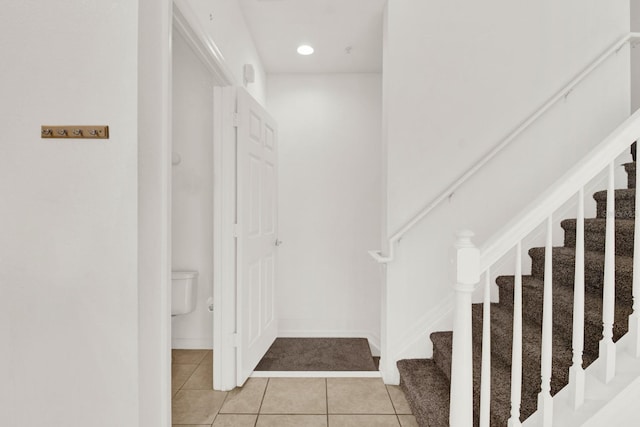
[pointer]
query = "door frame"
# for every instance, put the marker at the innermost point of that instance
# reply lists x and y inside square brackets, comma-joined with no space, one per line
[156,21]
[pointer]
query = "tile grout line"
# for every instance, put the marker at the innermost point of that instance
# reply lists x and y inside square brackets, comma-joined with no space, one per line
[187,380]
[357,414]
[264,394]
[393,405]
[326,396]
[190,375]
[221,405]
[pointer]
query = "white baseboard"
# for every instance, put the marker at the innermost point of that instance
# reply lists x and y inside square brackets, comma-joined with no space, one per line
[315,374]
[390,375]
[191,344]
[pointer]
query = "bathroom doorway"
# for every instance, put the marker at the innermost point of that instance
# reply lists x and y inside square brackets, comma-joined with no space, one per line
[192,191]
[202,206]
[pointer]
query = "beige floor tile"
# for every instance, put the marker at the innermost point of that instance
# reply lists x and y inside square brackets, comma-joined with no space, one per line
[190,425]
[201,379]
[196,406]
[180,374]
[234,420]
[399,400]
[363,421]
[295,396]
[292,421]
[191,357]
[358,396]
[408,421]
[247,399]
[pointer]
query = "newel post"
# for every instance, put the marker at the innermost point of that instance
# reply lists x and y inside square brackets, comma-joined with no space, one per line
[467,277]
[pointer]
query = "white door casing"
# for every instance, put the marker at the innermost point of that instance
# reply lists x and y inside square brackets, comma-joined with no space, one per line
[256,233]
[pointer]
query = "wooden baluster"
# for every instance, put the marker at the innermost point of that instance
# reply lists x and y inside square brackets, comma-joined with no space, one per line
[576,372]
[467,276]
[485,385]
[545,401]
[634,319]
[516,352]
[607,347]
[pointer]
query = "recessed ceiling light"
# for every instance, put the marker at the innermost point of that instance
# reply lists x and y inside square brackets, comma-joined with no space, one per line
[305,49]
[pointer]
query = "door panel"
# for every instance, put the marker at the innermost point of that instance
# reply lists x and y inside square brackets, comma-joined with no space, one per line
[258,226]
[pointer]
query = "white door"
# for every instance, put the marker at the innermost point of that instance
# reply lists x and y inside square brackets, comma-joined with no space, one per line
[257,233]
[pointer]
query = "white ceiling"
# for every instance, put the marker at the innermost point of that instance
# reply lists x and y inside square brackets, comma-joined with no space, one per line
[330,26]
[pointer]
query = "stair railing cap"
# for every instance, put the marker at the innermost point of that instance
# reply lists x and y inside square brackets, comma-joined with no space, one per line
[464,239]
[467,261]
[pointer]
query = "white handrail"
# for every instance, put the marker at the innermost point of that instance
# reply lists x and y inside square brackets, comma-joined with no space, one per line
[567,186]
[561,94]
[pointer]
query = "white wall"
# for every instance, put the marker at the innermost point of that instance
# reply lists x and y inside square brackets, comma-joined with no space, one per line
[224,21]
[459,77]
[68,221]
[635,56]
[329,191]
[621,410]
[154,212]
[192,190]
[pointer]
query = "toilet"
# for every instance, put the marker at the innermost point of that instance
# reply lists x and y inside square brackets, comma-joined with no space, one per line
[183,292]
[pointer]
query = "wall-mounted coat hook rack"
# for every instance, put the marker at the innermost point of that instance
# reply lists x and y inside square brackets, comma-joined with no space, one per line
[88,132]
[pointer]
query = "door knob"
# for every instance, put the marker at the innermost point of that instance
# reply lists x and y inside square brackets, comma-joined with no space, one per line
[278,242]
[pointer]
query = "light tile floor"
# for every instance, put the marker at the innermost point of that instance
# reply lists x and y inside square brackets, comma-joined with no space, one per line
[281,402]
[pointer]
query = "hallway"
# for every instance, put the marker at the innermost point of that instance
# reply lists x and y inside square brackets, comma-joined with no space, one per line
[282,402]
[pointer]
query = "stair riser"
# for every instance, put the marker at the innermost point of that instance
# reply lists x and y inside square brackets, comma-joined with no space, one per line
[630,168]
[624,204]
[442,359]
[624,210]
[595,240]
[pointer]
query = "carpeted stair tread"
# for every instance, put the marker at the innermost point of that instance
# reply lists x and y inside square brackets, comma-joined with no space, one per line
[595,232]
[564,271]
[427,391]
[500,377]
[624,203]
[630,168]
[532,297]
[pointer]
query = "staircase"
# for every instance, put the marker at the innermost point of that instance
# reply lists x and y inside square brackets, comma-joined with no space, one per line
[426,382]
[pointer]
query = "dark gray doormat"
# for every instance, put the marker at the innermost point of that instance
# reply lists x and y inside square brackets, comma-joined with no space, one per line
[318,354]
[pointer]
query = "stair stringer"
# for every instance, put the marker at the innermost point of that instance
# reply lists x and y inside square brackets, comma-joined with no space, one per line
[615,403]
[415,343]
